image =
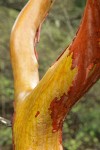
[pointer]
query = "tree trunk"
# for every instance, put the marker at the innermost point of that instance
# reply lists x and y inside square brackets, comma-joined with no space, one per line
[40,107]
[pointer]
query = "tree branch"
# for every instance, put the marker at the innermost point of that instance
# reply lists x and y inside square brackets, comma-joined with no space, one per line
[23,45]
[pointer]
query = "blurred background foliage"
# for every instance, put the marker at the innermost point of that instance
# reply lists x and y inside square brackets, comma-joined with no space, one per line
[81,128]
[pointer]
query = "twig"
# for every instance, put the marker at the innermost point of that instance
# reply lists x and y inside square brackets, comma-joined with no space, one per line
[5,122]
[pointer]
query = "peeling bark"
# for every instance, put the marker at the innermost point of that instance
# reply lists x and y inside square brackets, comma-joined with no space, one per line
[40,109]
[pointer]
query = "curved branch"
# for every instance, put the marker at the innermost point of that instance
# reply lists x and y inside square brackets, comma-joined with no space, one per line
[25,34]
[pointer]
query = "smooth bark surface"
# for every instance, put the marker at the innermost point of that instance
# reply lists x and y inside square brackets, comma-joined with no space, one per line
[40,107]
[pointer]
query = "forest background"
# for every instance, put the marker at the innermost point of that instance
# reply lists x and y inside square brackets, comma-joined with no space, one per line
[82,126]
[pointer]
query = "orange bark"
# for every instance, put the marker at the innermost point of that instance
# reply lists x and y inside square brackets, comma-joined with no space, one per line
[40,109]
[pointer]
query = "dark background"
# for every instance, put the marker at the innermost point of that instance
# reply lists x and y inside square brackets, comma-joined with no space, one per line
[82,126]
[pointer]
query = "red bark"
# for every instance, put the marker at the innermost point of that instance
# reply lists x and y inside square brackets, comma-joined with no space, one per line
[86,56]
